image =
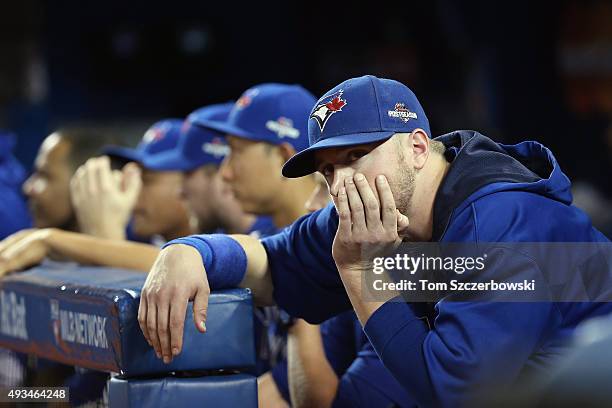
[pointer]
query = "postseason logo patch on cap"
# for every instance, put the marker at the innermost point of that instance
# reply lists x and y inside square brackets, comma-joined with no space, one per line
[283,127]
[216,148]
[325,110]
[401,112]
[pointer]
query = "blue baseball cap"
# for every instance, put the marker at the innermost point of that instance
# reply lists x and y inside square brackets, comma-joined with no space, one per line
[358,111]
[197,145]
[271,113]
[162,137]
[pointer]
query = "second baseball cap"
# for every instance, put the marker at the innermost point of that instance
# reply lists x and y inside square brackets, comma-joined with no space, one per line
[197,145]
[161,137]
[358,111]
[272,113]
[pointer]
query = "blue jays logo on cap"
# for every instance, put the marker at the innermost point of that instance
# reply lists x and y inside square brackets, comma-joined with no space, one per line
[246,98]
[322,112]
[358,111]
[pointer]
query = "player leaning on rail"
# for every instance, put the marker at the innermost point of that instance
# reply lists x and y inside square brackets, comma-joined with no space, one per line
[390,182]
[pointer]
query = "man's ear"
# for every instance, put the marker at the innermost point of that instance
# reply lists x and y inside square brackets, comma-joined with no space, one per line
[419,144]
[286,151]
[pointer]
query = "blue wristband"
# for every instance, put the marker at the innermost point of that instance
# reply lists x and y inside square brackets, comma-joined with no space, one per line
[224,259]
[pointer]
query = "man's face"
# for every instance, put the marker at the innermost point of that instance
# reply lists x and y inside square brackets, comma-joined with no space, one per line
[371,160]
[160,209]
[48,188]
[319,197]
[253,172]
[204,190]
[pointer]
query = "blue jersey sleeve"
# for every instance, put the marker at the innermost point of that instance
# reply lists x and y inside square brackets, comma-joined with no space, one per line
[306,281]
[368,383]
[339,341]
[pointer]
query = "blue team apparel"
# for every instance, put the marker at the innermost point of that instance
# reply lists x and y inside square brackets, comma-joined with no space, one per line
[160,138]
[363,379]
[197,146]
[491,193]
[14,214]
[271,113]
[358,111]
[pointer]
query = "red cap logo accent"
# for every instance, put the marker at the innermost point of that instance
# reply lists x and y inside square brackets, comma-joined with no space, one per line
[325,110]
[246,98]
[153,135]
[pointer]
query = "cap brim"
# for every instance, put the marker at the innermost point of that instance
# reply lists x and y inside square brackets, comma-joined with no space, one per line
[224,128]
[124,153]
[173,161]
[303,163]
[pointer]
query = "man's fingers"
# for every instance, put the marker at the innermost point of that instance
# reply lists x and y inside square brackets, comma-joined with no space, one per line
[344,213]
[152,326]
[132,181]
[104,175]
[356,206]
[90,177]
[369,200]
[200,308]
[12,239]
[387,203]
[402,223]
[20,256]
[142,318]
[177,322]
[163,332]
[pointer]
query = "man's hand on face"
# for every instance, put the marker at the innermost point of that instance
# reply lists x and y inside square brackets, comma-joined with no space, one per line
[177,277]
[368,228]
[103,199]
[22,249]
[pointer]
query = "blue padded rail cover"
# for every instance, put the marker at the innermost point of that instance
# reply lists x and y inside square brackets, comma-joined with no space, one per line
[236,390]
[88,317]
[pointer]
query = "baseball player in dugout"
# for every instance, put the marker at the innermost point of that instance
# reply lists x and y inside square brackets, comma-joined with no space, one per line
[391,182]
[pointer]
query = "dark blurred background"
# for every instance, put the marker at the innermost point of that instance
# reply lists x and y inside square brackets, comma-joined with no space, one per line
[513,70]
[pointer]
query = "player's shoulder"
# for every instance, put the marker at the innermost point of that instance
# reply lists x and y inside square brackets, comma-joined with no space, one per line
[524,216]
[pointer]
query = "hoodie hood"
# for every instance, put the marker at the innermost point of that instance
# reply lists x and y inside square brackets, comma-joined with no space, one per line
[480,166]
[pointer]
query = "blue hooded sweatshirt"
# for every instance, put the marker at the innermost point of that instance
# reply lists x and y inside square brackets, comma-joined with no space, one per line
[442,352]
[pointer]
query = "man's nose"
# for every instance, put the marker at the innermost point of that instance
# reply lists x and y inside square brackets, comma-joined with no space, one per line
[27,187]
[225,170]
[340,174]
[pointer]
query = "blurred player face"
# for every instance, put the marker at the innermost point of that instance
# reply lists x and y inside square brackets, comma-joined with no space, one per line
[371,160]
[206,195]
[253,171]
[320,195]
[48,188]
[160,209]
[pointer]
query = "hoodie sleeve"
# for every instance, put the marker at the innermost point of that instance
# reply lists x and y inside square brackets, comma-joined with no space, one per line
[472,345]
[305,278]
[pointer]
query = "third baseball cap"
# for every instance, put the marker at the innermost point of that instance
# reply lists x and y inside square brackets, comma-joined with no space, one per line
[358,111]
[272,113]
